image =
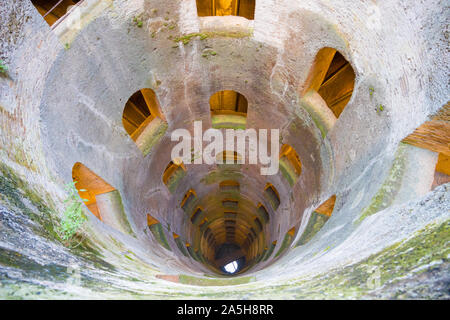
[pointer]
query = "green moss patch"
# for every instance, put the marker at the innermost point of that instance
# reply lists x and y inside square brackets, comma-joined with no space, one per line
[286,242]
[186,39]
[150,136]
[13,192]
[389,190]
[158,233]
[229,121]
[288,171]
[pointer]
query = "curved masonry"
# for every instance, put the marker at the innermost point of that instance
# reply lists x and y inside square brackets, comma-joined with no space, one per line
[352,206]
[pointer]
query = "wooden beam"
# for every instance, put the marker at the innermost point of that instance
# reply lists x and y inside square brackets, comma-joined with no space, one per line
[327,207]
[443,164]
[433,135]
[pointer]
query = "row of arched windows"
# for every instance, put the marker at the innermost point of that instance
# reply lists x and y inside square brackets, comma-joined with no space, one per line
[53,10]
[316,221]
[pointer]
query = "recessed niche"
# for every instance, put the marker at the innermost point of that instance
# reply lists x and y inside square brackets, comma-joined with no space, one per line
[270,250]
[197,215]
[102,199]
[228,157]
[229,186]
[290,164]
[230,203]
[288,238]
[262,211]
[158,232]
[180,244]
[143,120]
[333,78]
[317,219]
[173,174]
[189,200]
[228,110]
[272,195]
[243,8]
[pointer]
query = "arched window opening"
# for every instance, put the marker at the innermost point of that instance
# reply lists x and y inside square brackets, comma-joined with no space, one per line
[270,250]
[203,223]
[317,219]
[143,120]
[89,185]
[230,233]
[243,8]
[229,186]
[290,164]
[103,200]
[53,10]
[192,252]
[333,78]
[197,215]
[230,203]
[288,238]
[228,157]
[230,215]
[434,135]
[188,201]
[258,224]
[158,232]
[262,255]
[262,211]
[173,174]
[272,195]
[228,110]
[180,244]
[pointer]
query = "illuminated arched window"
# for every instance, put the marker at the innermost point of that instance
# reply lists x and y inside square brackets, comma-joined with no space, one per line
[188,201]
[317,219]
[290,164]
[262,211]
[270,250]
[229,186]
[230,203]
[203,224]
[103,200]
[229,157]
[89,185]
[172,175]
[197,215]
[243,8]
[333,78]
[180,244]
[272,195]
[288,238]
[158,232]
[228,110]
[258,224]
[143,120]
